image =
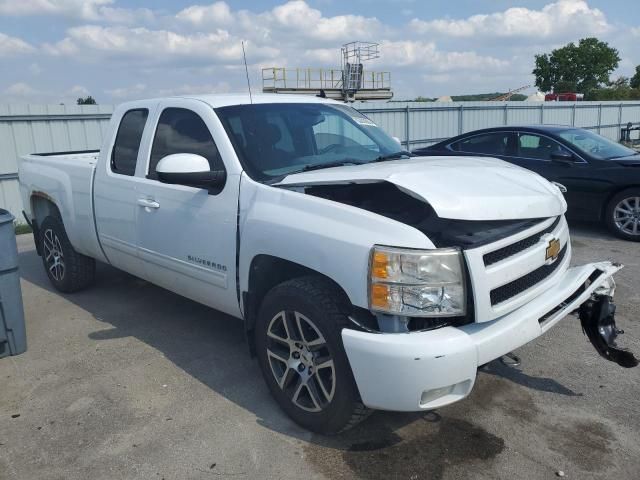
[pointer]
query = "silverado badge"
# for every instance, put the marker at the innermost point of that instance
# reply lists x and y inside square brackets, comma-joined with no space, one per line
[553,250]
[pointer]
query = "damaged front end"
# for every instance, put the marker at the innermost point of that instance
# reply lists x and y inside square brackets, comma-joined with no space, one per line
[597,317]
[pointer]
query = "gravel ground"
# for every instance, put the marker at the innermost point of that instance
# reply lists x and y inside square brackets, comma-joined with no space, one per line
[127,380]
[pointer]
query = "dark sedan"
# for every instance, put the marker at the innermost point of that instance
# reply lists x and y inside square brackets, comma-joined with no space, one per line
[602,177]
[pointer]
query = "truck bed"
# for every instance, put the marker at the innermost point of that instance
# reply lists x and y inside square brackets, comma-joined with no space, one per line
[66,179]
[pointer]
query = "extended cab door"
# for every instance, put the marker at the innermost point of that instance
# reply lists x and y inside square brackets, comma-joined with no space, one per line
[187,235]
[115,187]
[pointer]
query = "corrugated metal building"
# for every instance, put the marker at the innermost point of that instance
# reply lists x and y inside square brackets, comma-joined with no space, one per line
[421,124]
[45,128]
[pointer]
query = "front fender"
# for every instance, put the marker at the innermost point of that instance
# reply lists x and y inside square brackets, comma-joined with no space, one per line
[326,236]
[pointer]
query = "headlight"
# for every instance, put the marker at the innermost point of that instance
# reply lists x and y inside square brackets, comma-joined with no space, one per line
[417,282]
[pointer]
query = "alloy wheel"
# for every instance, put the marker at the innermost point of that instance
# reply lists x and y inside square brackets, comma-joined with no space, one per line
[626,215]
[300,361]
[53,255]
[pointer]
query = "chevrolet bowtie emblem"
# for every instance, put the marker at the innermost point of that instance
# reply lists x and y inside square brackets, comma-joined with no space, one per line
[553,249]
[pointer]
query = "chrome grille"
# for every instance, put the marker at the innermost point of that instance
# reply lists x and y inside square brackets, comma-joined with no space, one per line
[522,284]
[510,272]
[515,248]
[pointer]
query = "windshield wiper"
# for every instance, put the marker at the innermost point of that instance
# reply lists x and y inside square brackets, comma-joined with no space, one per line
[337,163]
[393,156]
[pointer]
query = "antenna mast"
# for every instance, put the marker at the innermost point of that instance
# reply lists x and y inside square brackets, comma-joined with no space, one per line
[246,71]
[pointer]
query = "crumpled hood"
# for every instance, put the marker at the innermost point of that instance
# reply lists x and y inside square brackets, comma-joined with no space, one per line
[463,188]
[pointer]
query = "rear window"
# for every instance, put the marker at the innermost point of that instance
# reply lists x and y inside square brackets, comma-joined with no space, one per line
[489,143]
[125,149]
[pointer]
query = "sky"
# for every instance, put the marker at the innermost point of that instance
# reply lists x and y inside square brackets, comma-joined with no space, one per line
[54,51]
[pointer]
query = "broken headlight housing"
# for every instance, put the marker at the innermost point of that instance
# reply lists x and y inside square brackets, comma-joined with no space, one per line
[417,283]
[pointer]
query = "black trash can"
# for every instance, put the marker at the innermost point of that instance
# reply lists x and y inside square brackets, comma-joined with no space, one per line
[13,336]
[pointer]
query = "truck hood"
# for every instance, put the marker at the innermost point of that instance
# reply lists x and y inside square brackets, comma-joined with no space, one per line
[462,188]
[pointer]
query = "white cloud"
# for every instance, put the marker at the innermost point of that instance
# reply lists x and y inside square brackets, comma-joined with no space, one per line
[564,18]
[21,89]
[425,55]
[78,90]
[90,10]
[296,15]
[140,89]
[152,46]
[86,9]
[12,46]
[215,14]
[294,21]
[131,91]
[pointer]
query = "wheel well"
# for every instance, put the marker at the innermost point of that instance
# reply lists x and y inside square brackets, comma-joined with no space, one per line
[41,208]
[266,272]
[613,193]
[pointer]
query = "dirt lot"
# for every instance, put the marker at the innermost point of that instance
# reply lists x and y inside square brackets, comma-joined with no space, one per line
[127,380]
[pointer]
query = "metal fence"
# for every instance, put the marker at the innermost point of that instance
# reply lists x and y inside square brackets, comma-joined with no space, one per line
[422,124]
[46,128]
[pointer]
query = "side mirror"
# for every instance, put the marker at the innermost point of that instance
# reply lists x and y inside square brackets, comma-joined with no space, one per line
[189,169]
[563,157]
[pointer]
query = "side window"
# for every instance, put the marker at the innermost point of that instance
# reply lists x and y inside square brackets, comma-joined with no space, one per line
[488,144]
[125,149]
[538,147]
[182,131]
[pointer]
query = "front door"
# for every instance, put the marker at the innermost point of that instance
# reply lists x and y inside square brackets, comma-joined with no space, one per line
[582,196]
[187,235]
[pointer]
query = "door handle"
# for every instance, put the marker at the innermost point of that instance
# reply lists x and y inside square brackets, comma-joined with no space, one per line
[148,203]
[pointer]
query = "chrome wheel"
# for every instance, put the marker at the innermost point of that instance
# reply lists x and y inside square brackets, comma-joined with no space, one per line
[300,361]
[626,215]
[53,255]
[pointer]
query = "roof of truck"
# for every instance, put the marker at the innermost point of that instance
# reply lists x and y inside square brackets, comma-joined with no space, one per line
[226,99]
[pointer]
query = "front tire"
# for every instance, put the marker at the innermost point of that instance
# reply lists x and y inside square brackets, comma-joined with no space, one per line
[302,358]
[622,215]
[68,270]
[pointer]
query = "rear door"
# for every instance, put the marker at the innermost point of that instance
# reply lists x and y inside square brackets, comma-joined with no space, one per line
[187,235]
[115,189]
[499,144]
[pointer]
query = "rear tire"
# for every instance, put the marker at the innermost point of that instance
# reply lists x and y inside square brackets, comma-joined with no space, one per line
[622,215]
[68,270]
[302,358]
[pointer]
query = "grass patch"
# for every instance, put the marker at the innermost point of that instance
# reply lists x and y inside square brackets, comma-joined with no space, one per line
[23,228]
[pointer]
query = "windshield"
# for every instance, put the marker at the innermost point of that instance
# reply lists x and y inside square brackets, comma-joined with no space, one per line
[599,147]
[273,140]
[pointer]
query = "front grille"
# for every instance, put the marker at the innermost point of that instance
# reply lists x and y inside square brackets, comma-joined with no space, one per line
[515,248]
[511,289]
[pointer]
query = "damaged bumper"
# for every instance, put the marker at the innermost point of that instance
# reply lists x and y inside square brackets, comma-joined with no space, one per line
[430,369]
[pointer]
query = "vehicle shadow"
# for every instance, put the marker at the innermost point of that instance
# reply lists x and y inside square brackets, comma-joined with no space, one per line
[206,344]
[590,229]
[211,347]
[541,384]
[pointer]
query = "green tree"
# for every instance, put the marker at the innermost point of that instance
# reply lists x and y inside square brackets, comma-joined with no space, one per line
[635,80]
[88,100]
[582,67]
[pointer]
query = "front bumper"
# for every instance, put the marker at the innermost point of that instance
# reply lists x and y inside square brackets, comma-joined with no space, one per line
[430,369]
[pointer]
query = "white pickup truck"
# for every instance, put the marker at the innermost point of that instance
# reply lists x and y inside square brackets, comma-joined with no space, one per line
[366,278]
